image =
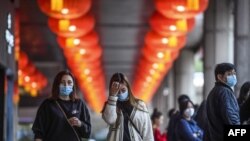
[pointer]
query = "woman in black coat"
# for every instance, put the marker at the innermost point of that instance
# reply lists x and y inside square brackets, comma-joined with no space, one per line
[244,103]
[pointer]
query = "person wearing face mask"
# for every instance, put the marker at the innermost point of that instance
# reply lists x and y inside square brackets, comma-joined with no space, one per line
[63,116]
[221,106]
[187,129]
[128,118]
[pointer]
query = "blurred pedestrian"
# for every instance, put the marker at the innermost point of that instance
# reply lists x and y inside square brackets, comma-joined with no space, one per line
[157,121]
[174,120]
[244,103]
[187,129]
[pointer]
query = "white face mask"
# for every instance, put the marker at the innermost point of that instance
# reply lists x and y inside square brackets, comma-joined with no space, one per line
[189,112]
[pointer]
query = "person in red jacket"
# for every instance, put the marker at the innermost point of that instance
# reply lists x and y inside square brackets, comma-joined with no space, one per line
[157,119]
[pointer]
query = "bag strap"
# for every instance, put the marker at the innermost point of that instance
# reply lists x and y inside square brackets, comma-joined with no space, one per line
[68,120]
[136,129]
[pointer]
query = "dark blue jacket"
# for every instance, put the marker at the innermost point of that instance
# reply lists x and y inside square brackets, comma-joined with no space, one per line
[188,131]
[222,109]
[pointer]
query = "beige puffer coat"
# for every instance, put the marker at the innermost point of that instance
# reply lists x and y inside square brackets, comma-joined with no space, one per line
[139,116]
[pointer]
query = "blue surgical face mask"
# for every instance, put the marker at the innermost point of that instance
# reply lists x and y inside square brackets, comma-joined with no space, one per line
[231,80]
[123,96]
[65,90]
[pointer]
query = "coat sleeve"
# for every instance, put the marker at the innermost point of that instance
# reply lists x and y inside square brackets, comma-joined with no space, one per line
[109,113]
[185,132]
[85,129]
[41,121]
[147,130]
[229,109]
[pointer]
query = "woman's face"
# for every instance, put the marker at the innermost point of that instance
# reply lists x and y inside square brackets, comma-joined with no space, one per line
[67,80]
[123,88]
[190,105]
[159,121]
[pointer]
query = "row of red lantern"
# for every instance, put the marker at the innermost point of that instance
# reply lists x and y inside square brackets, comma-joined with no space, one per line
[64,9]
[72,22]
[162,44]
[178,9]
[85,63]
[31,79]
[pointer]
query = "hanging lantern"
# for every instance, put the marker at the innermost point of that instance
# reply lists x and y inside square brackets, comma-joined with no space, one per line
[85,54]
[29,69]
[23,60]
[152,68]
[64,9]
[167,26]
[72,28]
[90,39]
[164,56]
[156,41]
[181,8]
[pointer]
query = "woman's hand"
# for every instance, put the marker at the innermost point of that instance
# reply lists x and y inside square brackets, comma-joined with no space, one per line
[115,87]
[74,121]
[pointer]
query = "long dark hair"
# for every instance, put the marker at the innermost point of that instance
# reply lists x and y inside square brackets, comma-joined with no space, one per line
[184,104]
[55,88]
[245,88]
[121,78]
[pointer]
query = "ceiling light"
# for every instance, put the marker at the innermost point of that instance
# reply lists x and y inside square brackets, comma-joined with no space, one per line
[164,40]
[172,27]
[180,8]
[33,84]
[76,41]
[160,55]
[27,78]
[82,51]
[72,28]
[155,65]
[86,71]
[65,11]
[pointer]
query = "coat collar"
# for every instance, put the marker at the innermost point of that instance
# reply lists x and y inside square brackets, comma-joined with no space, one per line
[223,85]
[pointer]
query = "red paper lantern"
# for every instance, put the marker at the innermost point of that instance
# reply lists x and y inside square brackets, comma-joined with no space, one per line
[23,60]
[181,8]
[90,39]
[29,69]
[167,26]
[64,9]
[72,28]
[84,54]
[156,41]
[163,56]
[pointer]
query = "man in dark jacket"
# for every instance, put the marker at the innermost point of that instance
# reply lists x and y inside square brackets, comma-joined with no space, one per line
[222,106]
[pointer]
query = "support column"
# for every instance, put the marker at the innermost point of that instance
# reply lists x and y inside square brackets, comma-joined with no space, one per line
[218,39]
[164,99]
[242,41]
[184,73]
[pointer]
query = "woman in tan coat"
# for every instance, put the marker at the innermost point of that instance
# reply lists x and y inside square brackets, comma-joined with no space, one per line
[127,116]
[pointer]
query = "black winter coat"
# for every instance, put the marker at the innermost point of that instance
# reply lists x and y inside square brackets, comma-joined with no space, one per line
[222,109]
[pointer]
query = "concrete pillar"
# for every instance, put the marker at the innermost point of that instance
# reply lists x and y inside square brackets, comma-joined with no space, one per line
[218,39]
[164,99]
[184,73]
[242,41]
